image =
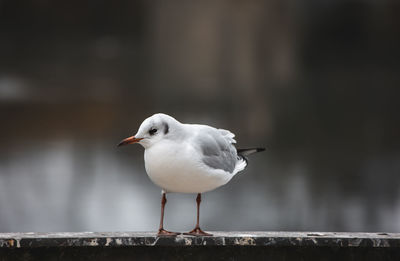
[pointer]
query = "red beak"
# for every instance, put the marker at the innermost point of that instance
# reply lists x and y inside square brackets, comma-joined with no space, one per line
[129,140]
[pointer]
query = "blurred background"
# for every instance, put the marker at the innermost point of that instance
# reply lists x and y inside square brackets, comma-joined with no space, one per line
[316,82]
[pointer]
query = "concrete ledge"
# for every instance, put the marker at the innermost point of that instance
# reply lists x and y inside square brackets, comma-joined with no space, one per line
[285,246]
[114,239]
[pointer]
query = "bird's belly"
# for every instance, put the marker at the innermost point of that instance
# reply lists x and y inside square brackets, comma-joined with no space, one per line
[178,172]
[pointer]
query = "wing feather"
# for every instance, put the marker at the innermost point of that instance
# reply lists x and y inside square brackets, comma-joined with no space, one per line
[217,148]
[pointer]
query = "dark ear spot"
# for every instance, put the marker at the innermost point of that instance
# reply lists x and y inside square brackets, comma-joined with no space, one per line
[166,128]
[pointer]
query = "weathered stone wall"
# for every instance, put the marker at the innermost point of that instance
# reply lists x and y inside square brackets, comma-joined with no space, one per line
[223,246]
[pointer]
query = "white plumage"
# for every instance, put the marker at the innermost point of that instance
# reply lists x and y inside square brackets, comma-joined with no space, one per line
[175,161]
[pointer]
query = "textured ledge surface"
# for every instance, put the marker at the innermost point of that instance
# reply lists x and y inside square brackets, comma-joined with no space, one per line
[130,239]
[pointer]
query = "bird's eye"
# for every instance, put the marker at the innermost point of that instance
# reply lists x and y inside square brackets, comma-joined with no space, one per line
[152,131]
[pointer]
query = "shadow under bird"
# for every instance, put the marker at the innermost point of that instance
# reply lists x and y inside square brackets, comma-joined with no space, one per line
[187,158]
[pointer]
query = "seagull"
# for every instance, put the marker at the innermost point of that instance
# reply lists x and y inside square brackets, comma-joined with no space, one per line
[187,158]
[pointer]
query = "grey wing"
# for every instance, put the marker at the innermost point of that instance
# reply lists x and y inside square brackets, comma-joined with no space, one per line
[217,149]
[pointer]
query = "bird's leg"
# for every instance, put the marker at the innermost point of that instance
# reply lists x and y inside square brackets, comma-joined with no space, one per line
[161,230]
[197,230]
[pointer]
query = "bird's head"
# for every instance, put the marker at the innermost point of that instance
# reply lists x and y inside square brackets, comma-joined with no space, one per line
[152,130]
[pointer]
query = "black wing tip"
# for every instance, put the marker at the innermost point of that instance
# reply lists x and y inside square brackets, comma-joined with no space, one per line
[249,151]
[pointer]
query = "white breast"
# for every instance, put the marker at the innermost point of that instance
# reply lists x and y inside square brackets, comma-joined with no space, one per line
[177,167]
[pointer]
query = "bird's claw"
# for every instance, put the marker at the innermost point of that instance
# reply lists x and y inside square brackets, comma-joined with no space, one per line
[163,232]
[198,232]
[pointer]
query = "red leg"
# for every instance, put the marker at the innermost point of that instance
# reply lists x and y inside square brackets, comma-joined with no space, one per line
[161,230]
[197,230]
